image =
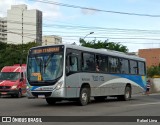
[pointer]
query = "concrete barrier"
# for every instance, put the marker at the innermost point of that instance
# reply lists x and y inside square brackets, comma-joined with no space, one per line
[155,85]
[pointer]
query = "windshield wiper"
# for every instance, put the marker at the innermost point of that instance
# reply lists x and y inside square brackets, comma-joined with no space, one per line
[40,64]
[47,62]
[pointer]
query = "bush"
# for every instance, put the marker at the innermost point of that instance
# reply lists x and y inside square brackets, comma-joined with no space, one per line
[153,71]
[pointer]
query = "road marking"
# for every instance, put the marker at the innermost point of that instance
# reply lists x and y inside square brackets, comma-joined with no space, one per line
[152,103]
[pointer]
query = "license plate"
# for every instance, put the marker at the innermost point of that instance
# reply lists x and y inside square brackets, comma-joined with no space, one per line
[3,93]
[41,96]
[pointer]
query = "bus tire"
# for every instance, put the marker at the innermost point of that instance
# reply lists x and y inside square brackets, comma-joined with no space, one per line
[84,96]
[127,94]
[100,98]
[50,101]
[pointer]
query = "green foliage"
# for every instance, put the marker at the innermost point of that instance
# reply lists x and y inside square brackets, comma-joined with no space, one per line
[106,45]
[14,54]
[153,71]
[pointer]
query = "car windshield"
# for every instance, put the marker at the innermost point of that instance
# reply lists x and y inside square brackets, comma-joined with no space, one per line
[9,75]
[44,67]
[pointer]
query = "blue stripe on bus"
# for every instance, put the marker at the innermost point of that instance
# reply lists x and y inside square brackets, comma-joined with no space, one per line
[34,87]
[140,80]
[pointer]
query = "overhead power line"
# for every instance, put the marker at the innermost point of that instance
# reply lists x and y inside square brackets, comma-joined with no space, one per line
[133,38]
[106,37]
[95,9]
[65,37]
[85,27]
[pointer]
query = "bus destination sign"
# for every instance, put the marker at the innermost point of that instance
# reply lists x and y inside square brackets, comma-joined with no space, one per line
[46,50]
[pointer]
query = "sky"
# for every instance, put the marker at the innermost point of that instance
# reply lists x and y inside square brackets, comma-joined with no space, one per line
[134,31]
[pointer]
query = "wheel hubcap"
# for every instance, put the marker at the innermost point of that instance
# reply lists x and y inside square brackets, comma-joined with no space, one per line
[127,94]
[84,97]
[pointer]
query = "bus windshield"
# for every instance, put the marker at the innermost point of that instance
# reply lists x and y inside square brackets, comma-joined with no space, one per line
[44,67]
[9,75]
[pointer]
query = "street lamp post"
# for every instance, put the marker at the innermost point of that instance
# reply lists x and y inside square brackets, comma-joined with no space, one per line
[88,34]
[22,33]
[22,36]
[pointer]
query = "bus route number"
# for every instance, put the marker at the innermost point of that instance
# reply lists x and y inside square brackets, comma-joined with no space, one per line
[98,78]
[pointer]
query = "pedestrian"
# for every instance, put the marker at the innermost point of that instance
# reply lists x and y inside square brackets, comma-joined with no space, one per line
[97,68]
[148,86]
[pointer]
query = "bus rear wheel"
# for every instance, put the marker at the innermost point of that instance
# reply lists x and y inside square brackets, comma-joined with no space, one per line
[50,101]
[84,96]
[127,94]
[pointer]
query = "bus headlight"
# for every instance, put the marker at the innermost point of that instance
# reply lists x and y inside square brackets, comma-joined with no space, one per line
[59,85]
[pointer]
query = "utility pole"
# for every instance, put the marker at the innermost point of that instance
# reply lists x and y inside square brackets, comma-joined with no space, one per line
[22,39]
[22,29]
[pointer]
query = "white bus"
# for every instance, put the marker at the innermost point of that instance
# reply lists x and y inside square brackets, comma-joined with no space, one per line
[71,72]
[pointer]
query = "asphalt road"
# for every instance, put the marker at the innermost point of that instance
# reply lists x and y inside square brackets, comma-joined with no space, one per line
[141,105]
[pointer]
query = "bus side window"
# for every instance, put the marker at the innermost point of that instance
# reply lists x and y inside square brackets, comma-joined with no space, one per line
[102,62]
[124,66]
[114,65]
[133,67]
[141,67]
[73,63]
[88,62]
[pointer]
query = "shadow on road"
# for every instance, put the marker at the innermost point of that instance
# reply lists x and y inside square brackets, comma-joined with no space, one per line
[10,97]
[74,103]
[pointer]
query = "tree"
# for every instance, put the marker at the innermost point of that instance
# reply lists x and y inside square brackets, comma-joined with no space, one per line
[106,45]
[153,71]
[14,54]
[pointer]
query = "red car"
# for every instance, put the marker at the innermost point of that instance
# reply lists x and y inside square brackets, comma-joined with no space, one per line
[13,80]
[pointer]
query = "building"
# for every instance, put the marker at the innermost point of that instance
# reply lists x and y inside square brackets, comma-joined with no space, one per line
[152,56]
[24,25]
[3,30]
[51,39]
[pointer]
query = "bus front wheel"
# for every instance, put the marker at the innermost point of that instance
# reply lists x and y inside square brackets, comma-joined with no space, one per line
[84,96]
[50,101]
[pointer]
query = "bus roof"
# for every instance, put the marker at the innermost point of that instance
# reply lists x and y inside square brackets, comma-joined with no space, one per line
[98,51]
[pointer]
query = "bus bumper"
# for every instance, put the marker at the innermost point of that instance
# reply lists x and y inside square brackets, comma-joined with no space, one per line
[60,93]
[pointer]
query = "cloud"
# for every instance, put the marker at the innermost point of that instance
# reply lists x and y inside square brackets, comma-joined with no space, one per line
[49,11]
[4,5]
